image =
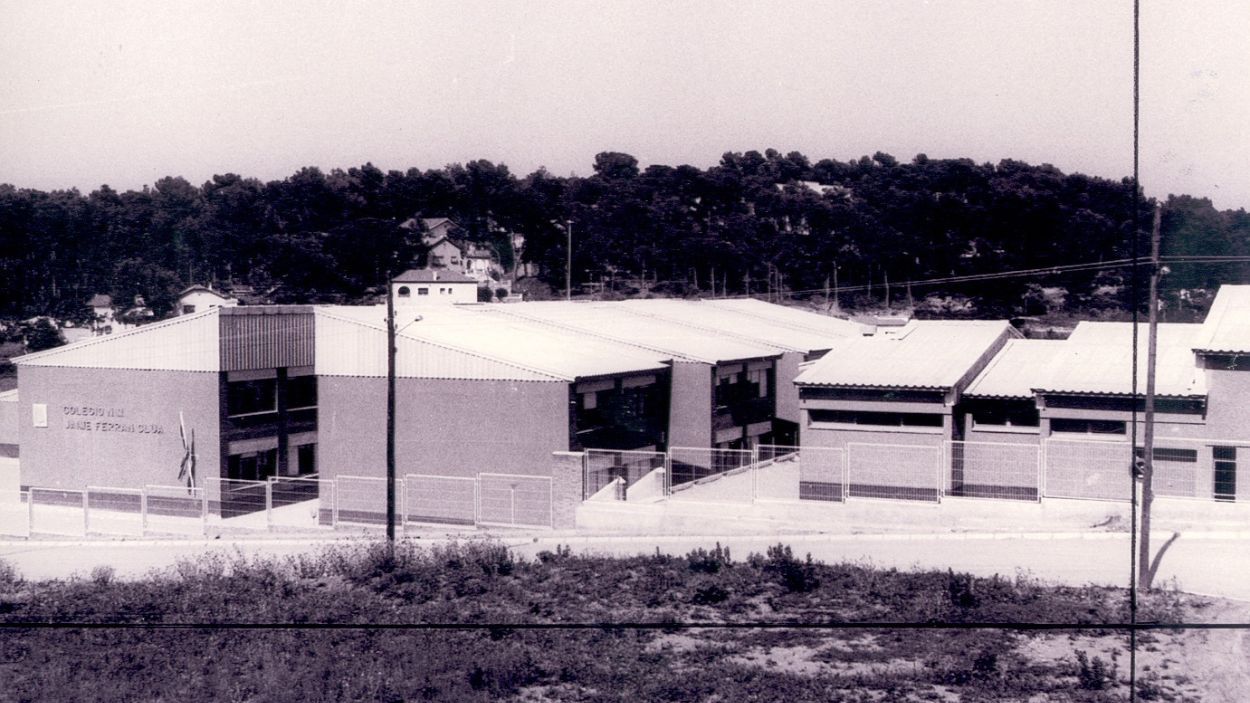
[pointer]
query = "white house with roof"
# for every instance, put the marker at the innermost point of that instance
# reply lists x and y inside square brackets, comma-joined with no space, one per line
[423,287]
[199,298]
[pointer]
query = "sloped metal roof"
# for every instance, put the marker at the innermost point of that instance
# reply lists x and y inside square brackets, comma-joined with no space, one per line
[610,321]
[431,276]
[1016,370]
[930,354]
[1097,359]
[790,316]
[453,342]
[1227,326]
[733,322]
[184,343]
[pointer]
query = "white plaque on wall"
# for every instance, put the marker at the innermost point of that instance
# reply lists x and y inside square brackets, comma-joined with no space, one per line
[40,413]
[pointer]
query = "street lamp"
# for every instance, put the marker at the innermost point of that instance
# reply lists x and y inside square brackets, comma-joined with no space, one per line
[391,333]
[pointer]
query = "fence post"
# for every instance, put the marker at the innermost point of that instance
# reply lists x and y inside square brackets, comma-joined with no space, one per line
[268,507]
[204,510]
[30,511]
[143,511]
[551,502]
[1041,469]
[512,504]
[86,513]
[755,468]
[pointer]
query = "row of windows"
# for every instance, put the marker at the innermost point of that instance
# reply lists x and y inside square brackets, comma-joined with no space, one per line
[875,419]
[261,396]
[406,292]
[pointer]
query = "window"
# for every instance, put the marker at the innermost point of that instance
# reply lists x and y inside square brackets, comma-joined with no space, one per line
[759,378]
[1225,473]
[404,292]
[1099,427]
[436,261]
[252,466]
[188,309]
[301,392]
[423,291]
[251,397]
[874,419]
[1181,456]
[590,401]
[306,456]
[1001,416]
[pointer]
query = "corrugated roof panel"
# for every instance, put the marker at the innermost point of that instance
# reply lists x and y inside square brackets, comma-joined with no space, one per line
[265,337]
[353,343]
[184,343]
[1097,359]
[1227,326]
[533,345]
[923,354]
[790,316]
[1016,370]
[667,337]
[736,323]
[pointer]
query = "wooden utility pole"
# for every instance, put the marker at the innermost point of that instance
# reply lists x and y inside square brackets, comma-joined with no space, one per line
[568,261]
[1144,567]
[837,304]
[887,290]
[390,416]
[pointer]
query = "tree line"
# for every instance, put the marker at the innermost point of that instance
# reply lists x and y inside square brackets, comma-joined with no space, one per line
[755,222]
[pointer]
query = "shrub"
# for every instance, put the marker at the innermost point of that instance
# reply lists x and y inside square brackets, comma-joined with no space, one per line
[103,575]
[961,588]
[703,561]
[1091,675]
[796,576]
[9,575]
[709,594]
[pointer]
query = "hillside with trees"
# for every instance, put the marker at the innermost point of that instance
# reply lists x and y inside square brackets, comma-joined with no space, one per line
[754,223]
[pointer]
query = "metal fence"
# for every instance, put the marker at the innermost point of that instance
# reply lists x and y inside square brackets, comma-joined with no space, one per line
[996,470]
[361,500]
[710,475]
[115,511]
[515,500]
[177,510]
[622,469]
[301,503]
[15,515]
[1089,469]
[439,500]
[794,473]
[895,471]
[57,511]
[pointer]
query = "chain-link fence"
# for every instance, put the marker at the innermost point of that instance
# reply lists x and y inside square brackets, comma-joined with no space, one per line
[237,504]
[439,500]
[301,503]
[115,511]
[998,470]
[361,500]
[176,510]
[622,470]
[514,500]
[710,475]
[895,471]
[58,511]
[1089,469]
[794,473]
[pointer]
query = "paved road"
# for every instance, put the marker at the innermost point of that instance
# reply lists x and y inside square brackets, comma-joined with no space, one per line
[1217,566]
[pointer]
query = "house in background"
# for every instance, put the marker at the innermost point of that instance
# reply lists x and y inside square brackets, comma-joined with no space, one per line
[200,298]
[102,309]
[425,286]
[446,250]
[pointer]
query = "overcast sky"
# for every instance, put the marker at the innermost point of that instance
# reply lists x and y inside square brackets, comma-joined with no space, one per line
[127,92]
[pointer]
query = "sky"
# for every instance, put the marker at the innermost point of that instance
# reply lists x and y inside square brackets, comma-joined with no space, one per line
[124,92]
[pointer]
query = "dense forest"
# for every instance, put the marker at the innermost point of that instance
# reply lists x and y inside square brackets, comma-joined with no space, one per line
[754,223]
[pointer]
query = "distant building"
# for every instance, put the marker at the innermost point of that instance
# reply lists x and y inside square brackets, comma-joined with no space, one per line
[200,298]
[425,286]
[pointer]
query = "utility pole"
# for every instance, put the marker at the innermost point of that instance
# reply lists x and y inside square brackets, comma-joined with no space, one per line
[1145,572]
[887,291]
[390,417]
[837,304]
[568,264]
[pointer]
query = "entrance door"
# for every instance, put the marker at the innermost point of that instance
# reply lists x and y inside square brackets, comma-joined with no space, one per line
[1225,472]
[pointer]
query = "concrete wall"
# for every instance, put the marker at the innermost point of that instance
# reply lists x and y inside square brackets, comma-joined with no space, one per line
[690,412]
[443,427]
[787,392]
[115,427]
